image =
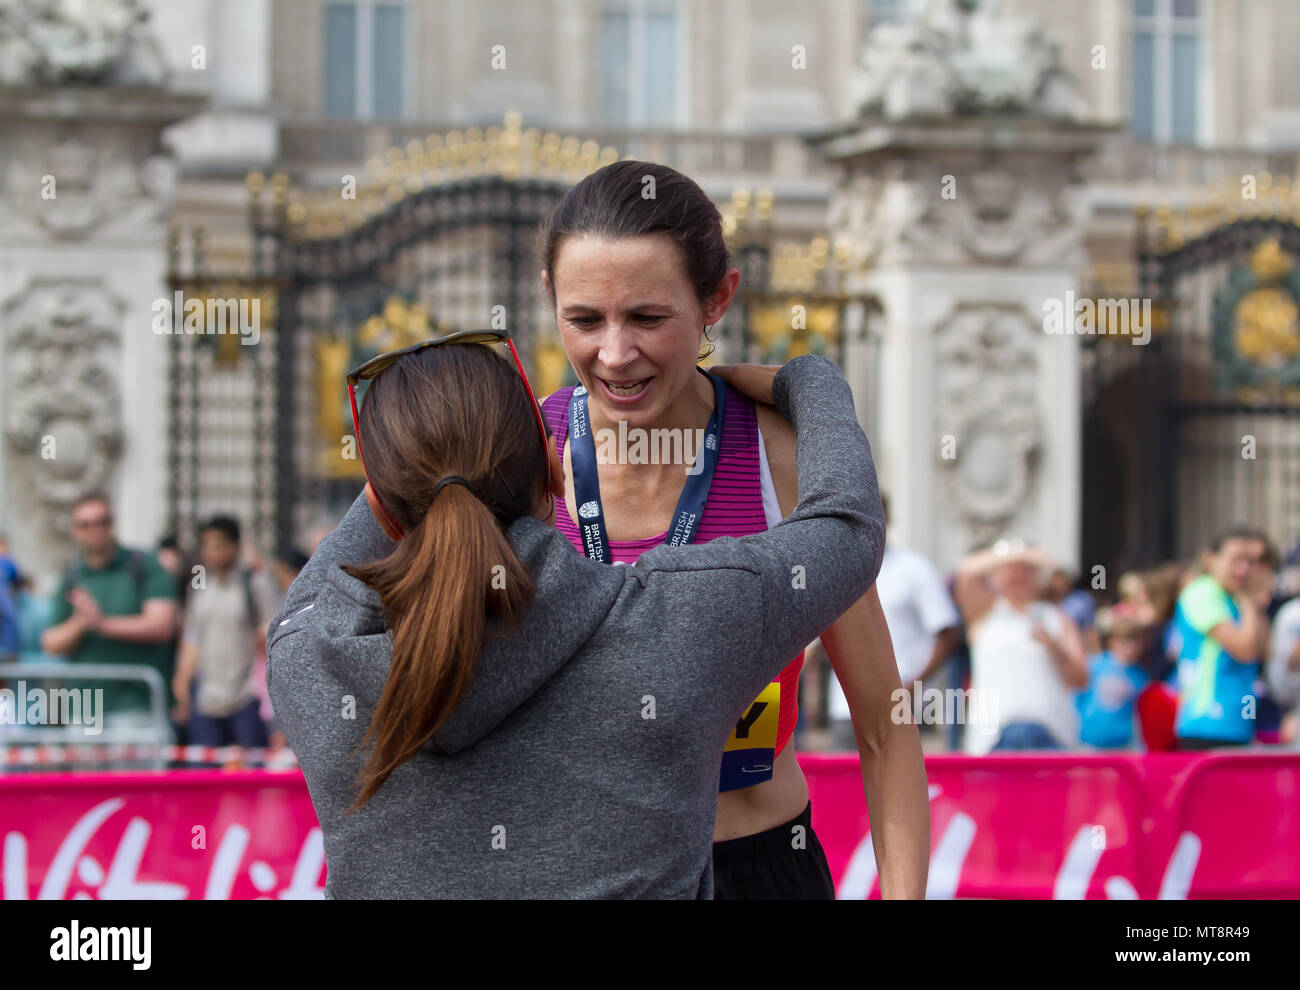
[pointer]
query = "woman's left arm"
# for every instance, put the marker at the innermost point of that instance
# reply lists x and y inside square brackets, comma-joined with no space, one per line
[893,766]
[862,655]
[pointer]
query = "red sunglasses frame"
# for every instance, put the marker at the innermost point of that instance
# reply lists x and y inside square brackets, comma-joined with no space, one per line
[372,369]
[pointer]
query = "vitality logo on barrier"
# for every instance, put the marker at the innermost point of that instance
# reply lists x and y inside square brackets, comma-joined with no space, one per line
[148,860]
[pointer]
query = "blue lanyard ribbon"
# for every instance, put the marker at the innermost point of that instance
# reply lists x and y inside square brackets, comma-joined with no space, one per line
[586,479]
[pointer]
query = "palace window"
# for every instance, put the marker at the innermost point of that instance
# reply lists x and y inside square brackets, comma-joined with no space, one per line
[640,63]
[364,60]
[885,12]
[1167,74]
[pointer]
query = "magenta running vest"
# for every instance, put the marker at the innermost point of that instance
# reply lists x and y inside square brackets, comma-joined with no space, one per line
[734,508]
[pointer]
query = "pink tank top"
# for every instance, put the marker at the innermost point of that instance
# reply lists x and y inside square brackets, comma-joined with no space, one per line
[734,508]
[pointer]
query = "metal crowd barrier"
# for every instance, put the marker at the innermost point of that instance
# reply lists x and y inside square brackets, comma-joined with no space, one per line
[40,758]
[156,738]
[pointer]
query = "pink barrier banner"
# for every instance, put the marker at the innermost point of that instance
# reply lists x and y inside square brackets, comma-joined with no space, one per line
[1002,826]
[213,835]
[1071,826]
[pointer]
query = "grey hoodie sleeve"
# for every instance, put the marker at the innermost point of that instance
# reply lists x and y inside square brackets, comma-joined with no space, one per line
[356,540]
[827,553]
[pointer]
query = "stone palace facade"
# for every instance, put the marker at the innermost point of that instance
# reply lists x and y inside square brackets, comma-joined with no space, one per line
[934,184]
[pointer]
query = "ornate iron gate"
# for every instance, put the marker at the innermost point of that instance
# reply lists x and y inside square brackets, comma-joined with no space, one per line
[436,237]
[221,440]
[1213,400]
[439,236]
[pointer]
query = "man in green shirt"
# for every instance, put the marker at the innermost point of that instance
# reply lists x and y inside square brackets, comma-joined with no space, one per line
[115,605]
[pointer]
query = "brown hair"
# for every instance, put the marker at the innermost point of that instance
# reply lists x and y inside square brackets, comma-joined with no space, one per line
[97,495]
[1237,532]
[1162,589]
[458,409]
[611,203]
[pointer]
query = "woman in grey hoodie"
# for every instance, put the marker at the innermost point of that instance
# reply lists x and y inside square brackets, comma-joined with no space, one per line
[480,712]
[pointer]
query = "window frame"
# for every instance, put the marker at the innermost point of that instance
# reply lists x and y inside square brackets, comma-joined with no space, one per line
[363,85]
[636,116]
[898,12]
[1163,27]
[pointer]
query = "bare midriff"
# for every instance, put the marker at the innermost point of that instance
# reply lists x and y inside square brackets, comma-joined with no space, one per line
[767,805]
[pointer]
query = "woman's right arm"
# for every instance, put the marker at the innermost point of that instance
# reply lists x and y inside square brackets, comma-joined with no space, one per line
[825,555]
[356,540]
[822,558]
[971,589]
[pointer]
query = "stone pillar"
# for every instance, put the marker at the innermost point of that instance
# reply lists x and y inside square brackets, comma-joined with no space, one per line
[957,198]
[231,59]
[84,189]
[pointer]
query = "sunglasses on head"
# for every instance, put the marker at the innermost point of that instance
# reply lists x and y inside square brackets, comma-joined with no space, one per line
[373,368]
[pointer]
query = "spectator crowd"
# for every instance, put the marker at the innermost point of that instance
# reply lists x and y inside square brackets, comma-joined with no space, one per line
[1188,655]
[197,617]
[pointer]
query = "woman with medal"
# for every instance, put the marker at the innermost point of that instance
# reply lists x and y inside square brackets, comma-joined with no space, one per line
[480,712]
[635,281]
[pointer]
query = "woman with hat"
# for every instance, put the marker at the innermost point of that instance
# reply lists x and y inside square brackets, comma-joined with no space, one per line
[1025,652]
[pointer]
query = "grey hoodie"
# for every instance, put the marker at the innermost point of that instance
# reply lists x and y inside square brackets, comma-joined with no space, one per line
[583,759]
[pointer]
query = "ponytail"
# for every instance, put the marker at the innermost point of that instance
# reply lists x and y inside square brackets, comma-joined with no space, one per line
[437,590]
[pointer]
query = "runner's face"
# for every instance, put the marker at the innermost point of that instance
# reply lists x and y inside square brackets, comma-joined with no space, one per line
[628,315]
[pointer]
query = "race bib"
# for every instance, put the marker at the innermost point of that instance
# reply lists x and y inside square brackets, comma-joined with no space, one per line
[751,747]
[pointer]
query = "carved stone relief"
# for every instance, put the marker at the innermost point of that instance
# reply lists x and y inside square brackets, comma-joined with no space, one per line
[955,212]
[91,181]
[83,42]
[62,405]
[961,57]
[987,417]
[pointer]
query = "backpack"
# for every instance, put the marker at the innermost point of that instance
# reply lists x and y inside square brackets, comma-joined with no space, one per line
[250,603]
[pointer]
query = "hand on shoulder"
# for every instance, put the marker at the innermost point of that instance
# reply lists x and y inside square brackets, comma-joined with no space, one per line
[751,380]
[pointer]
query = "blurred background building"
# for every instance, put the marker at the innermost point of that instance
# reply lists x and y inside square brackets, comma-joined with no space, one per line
[908,185]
